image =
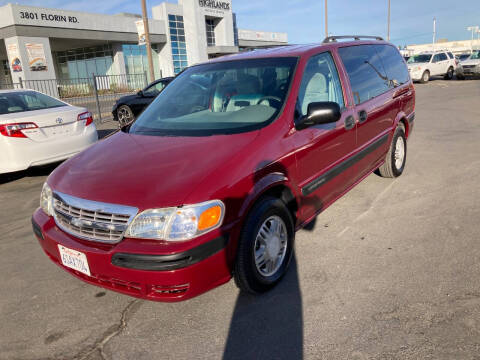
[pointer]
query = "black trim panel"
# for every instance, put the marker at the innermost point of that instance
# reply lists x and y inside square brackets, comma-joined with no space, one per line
[337,170]
[37,230]
[170,262]
[411,117]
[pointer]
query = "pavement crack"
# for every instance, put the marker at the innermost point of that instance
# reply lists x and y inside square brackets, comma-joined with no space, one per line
[110,333]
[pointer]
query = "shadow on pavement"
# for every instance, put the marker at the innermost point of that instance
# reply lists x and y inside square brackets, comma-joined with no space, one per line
[268,326]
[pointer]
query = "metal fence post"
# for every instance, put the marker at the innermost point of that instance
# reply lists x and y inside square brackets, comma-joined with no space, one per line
[21,82]
[95,89]
[146,78]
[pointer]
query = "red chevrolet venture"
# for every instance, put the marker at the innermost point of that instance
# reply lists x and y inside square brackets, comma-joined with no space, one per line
[223,167]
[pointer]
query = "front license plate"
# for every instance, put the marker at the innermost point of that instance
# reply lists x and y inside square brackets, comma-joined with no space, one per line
[73,259]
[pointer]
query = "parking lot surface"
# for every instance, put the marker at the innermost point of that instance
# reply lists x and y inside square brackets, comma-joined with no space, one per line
[390,271]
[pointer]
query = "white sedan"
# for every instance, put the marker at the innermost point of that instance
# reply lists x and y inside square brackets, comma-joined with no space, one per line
[36,129]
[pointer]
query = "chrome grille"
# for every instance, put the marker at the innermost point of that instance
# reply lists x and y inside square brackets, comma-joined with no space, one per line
[92,220]
[469,66]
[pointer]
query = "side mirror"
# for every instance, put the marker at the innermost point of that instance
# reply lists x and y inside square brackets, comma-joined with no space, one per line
[324,112]
[140,93]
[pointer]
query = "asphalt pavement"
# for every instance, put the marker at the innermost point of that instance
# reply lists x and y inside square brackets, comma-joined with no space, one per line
[390,271]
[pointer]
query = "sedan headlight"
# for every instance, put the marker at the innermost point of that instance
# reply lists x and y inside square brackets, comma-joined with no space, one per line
[46,200]
[179,223]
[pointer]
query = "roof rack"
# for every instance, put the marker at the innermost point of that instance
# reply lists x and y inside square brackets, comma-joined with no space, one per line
[330,39]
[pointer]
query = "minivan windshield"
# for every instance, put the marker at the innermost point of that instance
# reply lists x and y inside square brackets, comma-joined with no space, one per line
[475,55]
[19,101]
[423,58]
[219,98]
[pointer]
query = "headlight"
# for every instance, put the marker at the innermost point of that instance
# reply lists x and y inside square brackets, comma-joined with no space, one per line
[177,224]
[46,200]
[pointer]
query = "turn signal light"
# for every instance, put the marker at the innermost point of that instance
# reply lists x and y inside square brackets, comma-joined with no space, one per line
[209,218]
[16,130]
[87,117]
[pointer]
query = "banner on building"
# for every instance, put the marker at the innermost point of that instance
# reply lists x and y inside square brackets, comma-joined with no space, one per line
[13,55]
[37,60]
[141,32]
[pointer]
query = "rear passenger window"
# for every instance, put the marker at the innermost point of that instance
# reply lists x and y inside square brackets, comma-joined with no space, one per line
[365,70]
[320,82]
[393,64]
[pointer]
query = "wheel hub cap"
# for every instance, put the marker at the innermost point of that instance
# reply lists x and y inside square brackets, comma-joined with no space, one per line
[270,246]
[399,152]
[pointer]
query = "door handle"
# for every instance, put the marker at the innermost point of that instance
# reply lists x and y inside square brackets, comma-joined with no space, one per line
[349,122]
[362,116]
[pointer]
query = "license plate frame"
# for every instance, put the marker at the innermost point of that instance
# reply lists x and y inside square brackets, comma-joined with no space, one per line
[74,259]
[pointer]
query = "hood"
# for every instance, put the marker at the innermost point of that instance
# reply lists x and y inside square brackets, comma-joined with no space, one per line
[145,171]
[411,65]
[470,62]
[127,98]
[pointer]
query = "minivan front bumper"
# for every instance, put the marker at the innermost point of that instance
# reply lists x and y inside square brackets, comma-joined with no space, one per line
[147,275]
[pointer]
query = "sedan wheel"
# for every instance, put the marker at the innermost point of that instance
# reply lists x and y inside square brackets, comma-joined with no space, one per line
[125,116]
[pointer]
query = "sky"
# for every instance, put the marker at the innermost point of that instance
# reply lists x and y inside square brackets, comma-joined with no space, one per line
[303,20]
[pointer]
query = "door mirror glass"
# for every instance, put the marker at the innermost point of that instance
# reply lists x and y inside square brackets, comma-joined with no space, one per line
[324,112]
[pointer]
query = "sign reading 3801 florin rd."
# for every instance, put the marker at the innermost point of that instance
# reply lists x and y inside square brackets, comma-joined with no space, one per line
[213,4]
[32,15]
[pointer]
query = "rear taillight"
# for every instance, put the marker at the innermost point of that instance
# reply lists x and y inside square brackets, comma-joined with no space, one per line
[16,130]
[87,117]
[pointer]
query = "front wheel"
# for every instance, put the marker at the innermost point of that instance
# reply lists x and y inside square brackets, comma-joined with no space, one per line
[125,116]
[425,77]
[449,74]
[396,156]
[265,246]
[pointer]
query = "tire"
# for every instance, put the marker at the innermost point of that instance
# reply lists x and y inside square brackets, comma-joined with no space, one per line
[449,74]
[125,116]
[251,275]
[425,77]
[393,166]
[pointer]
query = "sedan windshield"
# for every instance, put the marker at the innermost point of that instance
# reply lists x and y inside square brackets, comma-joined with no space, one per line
[219,98]
[424,58]
[19,101]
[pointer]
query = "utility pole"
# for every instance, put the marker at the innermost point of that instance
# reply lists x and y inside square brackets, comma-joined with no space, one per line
[388,27]
[326,18]
[434,32]
[147,40]
[473,29]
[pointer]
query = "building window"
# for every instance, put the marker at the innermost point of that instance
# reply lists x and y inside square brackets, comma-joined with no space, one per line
[84,62]
[177,37]
[136,61]
[210,25]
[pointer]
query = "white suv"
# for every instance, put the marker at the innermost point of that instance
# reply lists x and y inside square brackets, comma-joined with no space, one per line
[423,66]
[471,66]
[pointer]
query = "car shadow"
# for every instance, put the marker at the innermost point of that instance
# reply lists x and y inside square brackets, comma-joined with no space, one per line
[270,325]
[36,171]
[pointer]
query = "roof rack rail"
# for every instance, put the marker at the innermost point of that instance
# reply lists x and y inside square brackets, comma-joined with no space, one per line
[330,39]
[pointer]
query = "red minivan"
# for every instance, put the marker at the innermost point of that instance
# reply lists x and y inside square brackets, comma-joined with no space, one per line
[218,173]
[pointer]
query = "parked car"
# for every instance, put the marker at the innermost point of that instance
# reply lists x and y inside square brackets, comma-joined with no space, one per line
[471,66]
[215,177]
[127,108]
[36,129]
[423,66]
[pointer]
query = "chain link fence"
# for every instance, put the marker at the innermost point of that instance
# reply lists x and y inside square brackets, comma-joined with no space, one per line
[97,93]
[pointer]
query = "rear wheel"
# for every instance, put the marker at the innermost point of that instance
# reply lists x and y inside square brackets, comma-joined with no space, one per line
[125,115]
[425,77]
[396,156]
[449,74]
[265,246]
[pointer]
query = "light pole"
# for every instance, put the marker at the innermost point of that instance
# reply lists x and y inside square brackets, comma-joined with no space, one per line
[326,18]
[473,29]
[147,41]
[434,32]
[388,22]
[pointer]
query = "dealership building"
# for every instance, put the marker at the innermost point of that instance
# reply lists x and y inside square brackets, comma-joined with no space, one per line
[43,44]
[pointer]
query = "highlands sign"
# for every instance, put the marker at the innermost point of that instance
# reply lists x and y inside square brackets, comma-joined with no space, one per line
[212,4]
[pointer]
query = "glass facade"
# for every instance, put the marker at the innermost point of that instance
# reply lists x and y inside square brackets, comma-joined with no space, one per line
[83,62]
[177,37]
[210,25]
[136,61]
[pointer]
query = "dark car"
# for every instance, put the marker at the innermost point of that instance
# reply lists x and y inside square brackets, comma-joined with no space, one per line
[232,158]
[127,108]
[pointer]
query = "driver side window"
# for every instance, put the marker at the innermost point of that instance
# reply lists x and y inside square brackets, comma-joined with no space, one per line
[320,82]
